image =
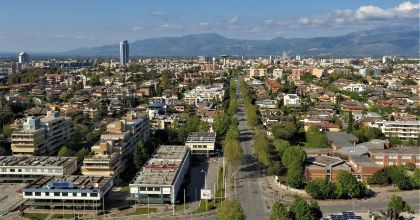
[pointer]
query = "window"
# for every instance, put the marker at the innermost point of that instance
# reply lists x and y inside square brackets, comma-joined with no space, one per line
[12,170]
[84,194]
[37,193]
[64,194]
[28,193]
[142,188]
[47,194]
[19,170]
[157,189]
[149,188]
[74,194]
[94,195]
[56,194]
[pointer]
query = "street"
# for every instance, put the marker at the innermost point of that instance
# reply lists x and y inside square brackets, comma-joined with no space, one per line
[247,183]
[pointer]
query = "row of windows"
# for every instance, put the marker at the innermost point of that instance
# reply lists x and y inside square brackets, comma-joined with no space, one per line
[31,170]
[199,146]
[61,194]
[157,189]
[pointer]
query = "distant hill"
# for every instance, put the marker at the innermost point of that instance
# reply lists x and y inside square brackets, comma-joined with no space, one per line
[377,42]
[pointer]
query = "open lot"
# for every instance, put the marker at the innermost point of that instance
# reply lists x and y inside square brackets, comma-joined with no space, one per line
[9,198]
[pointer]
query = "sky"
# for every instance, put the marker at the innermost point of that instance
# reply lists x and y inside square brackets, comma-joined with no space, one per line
[54,26]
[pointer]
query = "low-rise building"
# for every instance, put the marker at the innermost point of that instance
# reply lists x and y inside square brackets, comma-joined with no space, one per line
[363,167]
[291,100]
[73,192]
[201,143]
[324,167]
[355,87]
[29,168]
[205,93]
[396,156]
[160,179]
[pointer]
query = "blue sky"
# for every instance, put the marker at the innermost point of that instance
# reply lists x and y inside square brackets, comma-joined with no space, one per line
[46,25]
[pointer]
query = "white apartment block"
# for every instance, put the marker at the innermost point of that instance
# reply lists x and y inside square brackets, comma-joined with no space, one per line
[355,87]
[278,73]
[291,100]
[405,130]
[205,93]
[58,130]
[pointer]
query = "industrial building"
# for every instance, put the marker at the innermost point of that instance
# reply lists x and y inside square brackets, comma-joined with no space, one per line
[29,168]
[160,179]
[201,143]
[78,192]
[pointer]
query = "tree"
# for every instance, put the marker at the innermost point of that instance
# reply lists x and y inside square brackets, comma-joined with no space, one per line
[398,205]
[230,210]
[281,146]
[347,186]
[7,131]
[81,154]
[301,210]
[233,152]
[284,130]
[139,155]
[350,123]
[279,212]
[379,178]
[204,126]
[64,152]
[315,138]
[295,175]
[261,148]
[221,124]
[293,154]
[321,189]
[394,140]
[64,97]
[416,178]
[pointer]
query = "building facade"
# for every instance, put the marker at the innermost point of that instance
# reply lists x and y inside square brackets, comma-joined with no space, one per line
[201,143]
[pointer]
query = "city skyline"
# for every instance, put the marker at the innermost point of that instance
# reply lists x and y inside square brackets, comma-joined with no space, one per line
[43,27]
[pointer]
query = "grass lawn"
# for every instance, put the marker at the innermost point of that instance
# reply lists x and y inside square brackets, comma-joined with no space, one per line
[210,206]
[36,216]
[220,191]
[142,211]
[66,216]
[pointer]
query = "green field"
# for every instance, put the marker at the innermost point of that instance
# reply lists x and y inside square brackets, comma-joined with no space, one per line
[35,216]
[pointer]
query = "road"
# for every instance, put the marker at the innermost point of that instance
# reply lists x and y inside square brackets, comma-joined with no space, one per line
[248,186]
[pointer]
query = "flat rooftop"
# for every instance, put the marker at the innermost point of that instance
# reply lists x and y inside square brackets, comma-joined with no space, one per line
[364,161]
[35,161]
[70,182]
[163,166]
[324,160]
[201,137]
[397,150]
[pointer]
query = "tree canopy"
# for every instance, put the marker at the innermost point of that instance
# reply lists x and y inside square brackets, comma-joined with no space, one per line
[230,210]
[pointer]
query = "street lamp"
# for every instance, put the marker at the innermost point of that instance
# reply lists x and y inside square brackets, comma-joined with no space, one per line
[205,178]
[352,200]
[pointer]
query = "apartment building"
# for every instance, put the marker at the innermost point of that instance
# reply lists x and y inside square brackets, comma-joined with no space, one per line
[58,130]
[256,73]
[405,130]
[204,93]
[30,139]
[160,179]
[110,156]
[29,168]
[278,73]
[42,136]
[73,192]
[355,87]
[201,143]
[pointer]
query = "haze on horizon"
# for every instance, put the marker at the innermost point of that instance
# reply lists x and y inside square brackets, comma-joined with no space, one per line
[49,26]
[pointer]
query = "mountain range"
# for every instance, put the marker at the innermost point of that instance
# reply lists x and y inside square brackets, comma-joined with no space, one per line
[375,42]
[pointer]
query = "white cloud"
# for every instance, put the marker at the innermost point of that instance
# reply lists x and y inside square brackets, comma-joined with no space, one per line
[234,20]
[203,24]
[136,28]
[372,12]
[158,13]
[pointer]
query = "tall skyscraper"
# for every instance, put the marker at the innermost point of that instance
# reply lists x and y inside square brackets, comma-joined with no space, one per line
[23,58]
[124,53]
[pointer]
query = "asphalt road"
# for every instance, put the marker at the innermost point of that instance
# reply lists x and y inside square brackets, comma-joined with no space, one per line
[248,188]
